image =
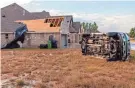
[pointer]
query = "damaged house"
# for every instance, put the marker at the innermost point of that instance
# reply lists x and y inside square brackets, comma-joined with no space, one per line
[40,26]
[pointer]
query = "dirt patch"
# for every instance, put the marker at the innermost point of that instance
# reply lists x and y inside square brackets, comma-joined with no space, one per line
[63,68]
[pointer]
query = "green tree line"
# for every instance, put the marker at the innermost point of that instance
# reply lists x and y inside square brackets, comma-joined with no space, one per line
[90,27]
[132,32]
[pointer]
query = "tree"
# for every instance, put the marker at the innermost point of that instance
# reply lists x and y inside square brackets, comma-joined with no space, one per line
[87,27]
[132,32]
[95,27]
[83,25]
[90,27]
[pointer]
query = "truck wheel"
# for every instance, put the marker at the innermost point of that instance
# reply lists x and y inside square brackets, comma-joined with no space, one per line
[125,58]
[84,48]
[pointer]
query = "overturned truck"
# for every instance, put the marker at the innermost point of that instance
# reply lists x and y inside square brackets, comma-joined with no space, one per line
[112,45]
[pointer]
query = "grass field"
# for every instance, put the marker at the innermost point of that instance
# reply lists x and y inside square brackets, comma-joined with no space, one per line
[64,68]
[132,56]
[132,40]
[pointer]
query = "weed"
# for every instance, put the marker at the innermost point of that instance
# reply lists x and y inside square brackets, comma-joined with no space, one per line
[20,83]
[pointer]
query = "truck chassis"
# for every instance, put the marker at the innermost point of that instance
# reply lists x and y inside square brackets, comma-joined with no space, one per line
[113,45]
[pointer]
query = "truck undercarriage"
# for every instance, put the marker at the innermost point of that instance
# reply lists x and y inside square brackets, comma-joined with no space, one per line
[110,45]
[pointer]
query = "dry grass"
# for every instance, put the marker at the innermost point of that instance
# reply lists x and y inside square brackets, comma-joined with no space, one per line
[20,83]
[132,56]
[132,40]
[67,68]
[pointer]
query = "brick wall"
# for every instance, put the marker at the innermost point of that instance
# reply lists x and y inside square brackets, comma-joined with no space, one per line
[4,40]
[35,39]
[31,39]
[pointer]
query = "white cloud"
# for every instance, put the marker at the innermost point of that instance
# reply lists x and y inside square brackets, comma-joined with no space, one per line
[55,12]
[7,2]
[106,23]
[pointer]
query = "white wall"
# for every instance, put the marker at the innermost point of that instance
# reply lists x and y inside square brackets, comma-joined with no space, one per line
[65,25]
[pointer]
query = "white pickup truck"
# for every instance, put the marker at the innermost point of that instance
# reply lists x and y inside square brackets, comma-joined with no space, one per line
[112,45]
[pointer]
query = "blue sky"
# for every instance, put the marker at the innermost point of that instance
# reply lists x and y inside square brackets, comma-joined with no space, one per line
[109,15]
[103,7]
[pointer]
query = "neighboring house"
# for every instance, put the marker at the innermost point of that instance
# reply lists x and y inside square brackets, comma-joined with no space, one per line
[41,15]
[15,12]
[40,26]
[62,27]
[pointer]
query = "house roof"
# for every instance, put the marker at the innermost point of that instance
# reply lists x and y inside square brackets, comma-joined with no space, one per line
[77,26]
[14,12]
[35,21]
[39,25]
[60,16]
[72,30]
[41,15]
[10,26]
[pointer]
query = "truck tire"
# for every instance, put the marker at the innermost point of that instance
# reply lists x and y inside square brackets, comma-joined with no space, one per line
[84,48]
